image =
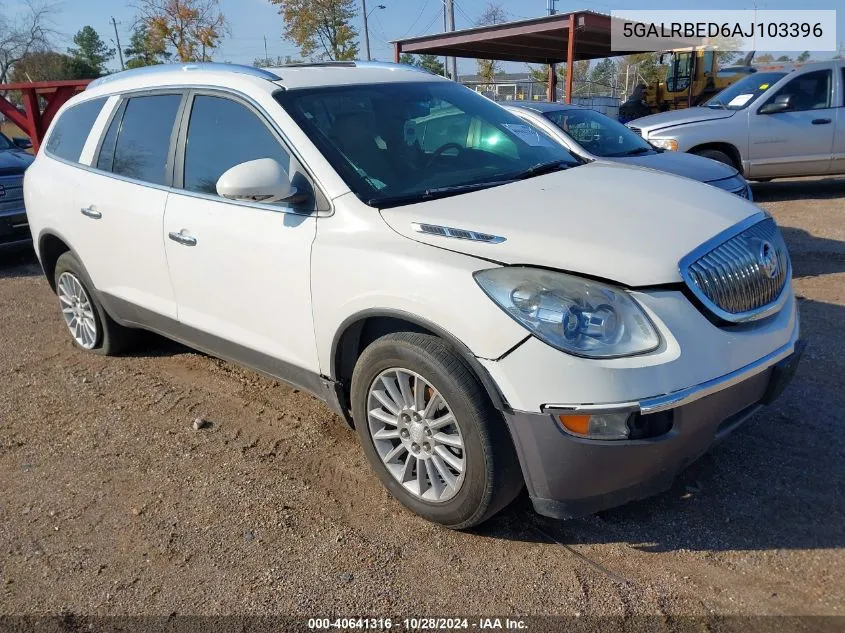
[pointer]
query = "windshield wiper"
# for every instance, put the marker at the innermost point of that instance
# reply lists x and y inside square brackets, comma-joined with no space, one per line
[632,152]
[433,193]
[543,168]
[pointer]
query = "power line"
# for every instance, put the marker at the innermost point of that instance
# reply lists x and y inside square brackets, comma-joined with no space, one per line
[414,23]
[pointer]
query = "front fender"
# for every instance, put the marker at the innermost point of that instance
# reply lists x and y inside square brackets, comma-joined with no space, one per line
[360,266]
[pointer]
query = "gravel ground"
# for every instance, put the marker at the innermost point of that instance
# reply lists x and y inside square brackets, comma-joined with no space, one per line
[113,504]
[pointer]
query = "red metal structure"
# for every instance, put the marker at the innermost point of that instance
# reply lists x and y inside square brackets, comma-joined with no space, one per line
[34,121]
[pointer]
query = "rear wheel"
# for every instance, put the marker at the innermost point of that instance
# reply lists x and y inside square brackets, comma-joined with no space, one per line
[430,433]
[717,155]
[90,327]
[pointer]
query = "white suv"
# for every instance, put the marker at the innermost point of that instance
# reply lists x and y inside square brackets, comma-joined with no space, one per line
[488,310]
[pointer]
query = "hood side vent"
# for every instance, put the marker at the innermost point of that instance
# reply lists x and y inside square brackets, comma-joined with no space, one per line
[459,234]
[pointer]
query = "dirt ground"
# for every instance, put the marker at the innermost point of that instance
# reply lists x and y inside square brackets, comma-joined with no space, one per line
[112,504]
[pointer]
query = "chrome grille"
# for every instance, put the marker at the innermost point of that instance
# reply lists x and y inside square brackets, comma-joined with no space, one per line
[635,130]
[740,277]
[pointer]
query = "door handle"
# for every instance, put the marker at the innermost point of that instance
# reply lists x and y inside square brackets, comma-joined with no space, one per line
[821,121]
[183,238]
[91,212]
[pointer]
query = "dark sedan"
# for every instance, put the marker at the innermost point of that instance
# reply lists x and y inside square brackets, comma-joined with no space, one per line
[594,136]
[14,229]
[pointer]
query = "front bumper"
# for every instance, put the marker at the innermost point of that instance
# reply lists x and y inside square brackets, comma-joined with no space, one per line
[569,477]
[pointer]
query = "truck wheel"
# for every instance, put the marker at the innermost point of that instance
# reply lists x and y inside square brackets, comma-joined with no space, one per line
[430,432]
[715,154]
[90,327]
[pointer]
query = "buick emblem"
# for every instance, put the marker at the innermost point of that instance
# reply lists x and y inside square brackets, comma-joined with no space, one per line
[767,257]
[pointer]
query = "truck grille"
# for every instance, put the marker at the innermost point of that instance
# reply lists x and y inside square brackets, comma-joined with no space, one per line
[742,278]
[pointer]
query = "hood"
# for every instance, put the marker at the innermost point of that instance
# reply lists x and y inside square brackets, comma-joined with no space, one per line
[672,118]
[617,222]
[680,164]
[13,161]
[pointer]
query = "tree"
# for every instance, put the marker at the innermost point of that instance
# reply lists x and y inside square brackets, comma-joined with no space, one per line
[803,57]
[91,49]
[27,33]
[487,69]
[432,64]
[142,51]
[765,58]
[784,58]
[603,76]
[269,62]
[52,66]
[191,28]
[322,29]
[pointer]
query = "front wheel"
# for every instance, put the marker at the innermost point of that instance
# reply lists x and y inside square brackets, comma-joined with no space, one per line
[430,433]
[717,155]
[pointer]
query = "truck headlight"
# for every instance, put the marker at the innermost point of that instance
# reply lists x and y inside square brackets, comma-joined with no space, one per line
[665,143]
[575,315]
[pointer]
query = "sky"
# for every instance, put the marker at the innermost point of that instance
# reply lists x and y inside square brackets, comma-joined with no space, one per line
[250,21]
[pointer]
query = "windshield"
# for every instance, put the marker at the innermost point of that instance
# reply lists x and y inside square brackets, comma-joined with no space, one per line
[737,96]
[599,134]
[393,143]
[678,72]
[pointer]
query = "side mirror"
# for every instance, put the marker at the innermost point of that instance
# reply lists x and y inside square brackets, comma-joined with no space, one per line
[262,180]
[781,103]
[22,142]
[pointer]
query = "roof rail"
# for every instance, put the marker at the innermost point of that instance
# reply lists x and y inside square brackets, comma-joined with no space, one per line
[186,67]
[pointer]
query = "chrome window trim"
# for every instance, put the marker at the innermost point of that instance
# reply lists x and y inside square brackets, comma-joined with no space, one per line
[714,242]
[689,395]
[201,87]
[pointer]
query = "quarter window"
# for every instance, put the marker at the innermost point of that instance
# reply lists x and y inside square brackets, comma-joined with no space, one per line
[137,144]
[221,134]
[810,91]
[72,129]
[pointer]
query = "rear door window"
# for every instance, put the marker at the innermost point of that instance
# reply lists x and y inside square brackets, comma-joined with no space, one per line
[72,129]
[137,144]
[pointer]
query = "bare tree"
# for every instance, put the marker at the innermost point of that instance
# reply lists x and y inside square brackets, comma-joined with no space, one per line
[488,68]
[28,32]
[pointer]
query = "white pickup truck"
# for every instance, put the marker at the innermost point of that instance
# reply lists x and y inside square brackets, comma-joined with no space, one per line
[772,124]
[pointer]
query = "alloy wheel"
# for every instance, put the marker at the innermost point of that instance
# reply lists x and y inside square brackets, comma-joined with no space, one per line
[416,435]
[77,310]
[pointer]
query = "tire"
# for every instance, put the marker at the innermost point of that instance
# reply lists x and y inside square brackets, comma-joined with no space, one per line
[108,337]
[717,155]
[490,477]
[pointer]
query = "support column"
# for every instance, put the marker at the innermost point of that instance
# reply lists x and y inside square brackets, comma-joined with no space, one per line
[397,52]
[551,91]
[570,58]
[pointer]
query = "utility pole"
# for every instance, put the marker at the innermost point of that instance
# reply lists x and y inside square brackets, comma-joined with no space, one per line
[117,39]
[266,56]
[366,30]
[450,26]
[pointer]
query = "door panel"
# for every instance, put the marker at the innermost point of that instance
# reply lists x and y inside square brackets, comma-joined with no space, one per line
[798,142]
[122,203]
[241,271]
[122,246]
[247,277]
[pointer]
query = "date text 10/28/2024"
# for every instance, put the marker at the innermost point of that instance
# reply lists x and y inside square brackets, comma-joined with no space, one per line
[418,624]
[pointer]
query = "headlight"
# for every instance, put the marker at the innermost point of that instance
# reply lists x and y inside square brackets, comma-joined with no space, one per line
[665,143]
[575,315]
